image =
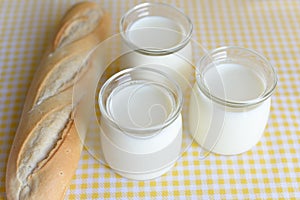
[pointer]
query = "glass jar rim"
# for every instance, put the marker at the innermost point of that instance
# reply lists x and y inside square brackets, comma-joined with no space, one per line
[268,91]
[165,51]
[171,118]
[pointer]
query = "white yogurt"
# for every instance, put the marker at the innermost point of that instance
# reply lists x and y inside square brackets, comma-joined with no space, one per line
[160,40]
[221,128]
[142,138]
[155,32]
[140,105]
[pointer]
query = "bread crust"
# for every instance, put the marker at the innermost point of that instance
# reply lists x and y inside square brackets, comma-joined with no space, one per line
[49,176]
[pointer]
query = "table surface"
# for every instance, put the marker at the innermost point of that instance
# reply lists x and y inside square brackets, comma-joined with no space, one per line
[270,170]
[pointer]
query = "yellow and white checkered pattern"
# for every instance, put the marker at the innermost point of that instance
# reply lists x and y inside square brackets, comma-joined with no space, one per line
[271,170]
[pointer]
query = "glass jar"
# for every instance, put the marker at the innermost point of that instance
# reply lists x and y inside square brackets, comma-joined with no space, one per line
[141,123]
[157,33]
[230,102]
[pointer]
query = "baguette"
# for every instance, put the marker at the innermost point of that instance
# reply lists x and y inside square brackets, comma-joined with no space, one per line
[47,146]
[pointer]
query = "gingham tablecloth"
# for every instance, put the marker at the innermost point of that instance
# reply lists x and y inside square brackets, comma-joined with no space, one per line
[271,170]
